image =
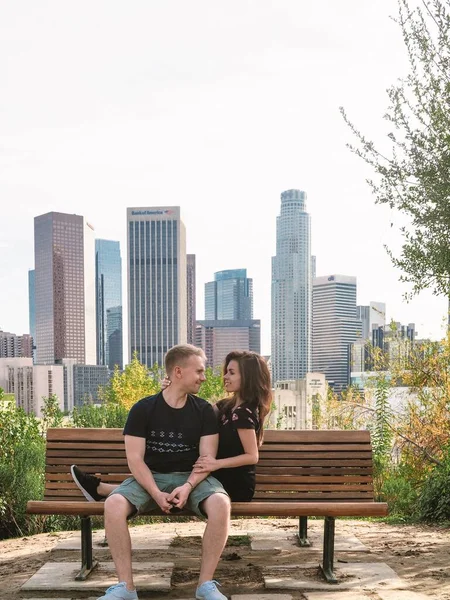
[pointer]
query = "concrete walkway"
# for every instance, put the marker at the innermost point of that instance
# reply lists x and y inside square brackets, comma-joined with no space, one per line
[292,576]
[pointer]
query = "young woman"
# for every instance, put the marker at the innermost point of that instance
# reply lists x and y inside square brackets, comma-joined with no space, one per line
[241,418]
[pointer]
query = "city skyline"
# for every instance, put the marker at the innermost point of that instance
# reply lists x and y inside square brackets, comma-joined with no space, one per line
[229,126]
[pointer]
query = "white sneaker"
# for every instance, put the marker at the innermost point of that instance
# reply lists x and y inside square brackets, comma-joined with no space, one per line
[208,591]
[119,592]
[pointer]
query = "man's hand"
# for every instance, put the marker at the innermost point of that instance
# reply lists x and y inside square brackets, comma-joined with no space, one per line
[206,464]
[180,495]
[163,501]
[165,383]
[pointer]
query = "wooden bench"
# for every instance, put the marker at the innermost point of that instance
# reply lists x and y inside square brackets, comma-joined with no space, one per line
[300,474]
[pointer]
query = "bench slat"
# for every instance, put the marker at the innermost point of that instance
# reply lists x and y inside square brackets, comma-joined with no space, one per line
[293,496]
[311,479]
[84,434]
[272,447]
[270,435]
[254,508]
[87,453]
[122,468]
[261,470]
[315,436]
[315,455]
[308,463]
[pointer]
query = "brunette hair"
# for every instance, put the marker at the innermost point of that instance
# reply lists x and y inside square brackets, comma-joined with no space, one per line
[178,355]
[256,390]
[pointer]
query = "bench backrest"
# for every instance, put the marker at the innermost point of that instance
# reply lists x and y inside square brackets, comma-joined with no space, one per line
[294,465]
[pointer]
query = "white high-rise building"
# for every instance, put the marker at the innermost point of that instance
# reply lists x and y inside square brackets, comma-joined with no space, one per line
[30,383]
[335,327]
[291,290]
[157,289]
[64,254]
[293,402]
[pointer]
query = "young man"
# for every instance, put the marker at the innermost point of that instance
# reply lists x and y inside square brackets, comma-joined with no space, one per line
[164,436]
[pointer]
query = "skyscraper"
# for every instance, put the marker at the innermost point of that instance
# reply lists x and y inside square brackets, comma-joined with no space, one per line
[291,290]
[335,327]
[114,336]
[31,303]
[157,296]
[219,337]
[108,288]
[371,317]
[229,296]
[191,301]
[64,254]
[15,346]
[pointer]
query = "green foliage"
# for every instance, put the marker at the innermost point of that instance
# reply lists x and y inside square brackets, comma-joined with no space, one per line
[22,465]
[133,384]
[381,426]
[399,490]
[413,175]
[108,414]
[434,499]
[52,415]
[212,389]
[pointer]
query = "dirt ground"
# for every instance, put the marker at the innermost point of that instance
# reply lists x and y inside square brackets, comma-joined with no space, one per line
[418,554]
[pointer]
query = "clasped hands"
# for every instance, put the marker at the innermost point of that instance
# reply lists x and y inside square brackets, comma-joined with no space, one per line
[175,500]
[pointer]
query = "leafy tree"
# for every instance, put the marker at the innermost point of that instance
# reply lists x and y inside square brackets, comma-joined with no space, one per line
[212,389]
[52,415]
[134,383]
[414,176]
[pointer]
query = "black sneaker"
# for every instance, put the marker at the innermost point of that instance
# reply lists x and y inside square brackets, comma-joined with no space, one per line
[88,484]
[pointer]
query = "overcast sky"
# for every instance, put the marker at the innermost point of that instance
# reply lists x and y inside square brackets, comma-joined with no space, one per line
[216,106]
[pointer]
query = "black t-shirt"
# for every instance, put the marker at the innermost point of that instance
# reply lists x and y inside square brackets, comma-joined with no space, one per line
[239,482]
[172,435]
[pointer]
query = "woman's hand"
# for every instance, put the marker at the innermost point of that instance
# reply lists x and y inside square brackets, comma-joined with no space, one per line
[206,464]
[165,383]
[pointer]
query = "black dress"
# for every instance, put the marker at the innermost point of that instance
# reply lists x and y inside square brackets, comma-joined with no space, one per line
[239,482]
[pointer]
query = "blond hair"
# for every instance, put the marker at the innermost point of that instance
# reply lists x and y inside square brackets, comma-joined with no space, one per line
[178,355]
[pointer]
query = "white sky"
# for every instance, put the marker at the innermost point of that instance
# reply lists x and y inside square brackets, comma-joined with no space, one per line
[216,106]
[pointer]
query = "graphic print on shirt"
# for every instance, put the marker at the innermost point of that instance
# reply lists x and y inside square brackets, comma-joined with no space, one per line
[239,413]
[167,441]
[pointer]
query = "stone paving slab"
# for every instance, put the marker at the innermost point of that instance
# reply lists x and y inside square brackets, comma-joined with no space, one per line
[402,595]
[273,541]
[336,596]
[139,541]
[353,575]
[262,597]
[342,543]
[286,541]
[60,576]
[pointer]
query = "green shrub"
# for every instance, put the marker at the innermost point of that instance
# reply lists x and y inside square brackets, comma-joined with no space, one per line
[434,499]
[109,414]
[22,466]
[400,492]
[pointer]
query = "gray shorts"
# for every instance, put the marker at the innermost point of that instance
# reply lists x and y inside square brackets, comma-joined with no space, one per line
[167,482]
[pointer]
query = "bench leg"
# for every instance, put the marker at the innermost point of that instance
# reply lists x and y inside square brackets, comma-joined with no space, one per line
[303,532]
[87,561]
[328,550]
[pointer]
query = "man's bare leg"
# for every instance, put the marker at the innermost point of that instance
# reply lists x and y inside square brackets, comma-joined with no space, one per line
[117,509]
[217,508]
[104,489]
